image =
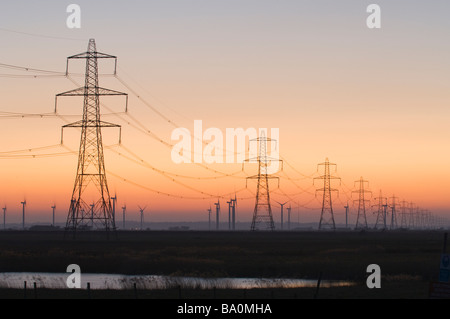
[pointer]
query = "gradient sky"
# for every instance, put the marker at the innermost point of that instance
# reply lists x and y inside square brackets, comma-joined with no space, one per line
[375,102]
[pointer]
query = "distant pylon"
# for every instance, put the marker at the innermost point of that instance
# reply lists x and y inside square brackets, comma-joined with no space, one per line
[91,173]
[403,215]
[262,213]
[361,220]
[381,211]
[411,224]
[327,216]
[393,206]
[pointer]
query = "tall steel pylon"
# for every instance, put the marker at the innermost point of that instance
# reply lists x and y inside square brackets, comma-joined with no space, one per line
[412,220]
[381,211]
[90,181]
[403,214]
[327,216]
[361,220]
[262,213]
[393,207]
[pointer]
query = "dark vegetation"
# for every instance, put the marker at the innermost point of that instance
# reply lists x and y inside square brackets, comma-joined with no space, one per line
[409,260]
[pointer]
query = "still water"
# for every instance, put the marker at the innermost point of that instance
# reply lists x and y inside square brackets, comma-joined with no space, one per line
[121,282]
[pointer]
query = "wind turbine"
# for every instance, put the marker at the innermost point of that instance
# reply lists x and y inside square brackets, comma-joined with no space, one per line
[282,215]
[53,208]
[289,217]
[142,216]
[217,214]
[124,209]
[4,218]
[24,203]
[234,201]
[230,205]
[92,215]
[114,199]
[209,217]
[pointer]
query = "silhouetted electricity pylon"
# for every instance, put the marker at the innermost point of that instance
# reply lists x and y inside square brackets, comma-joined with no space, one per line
[327,216]
[393,207]
[91,173]
[262,213]
[403,214]
[361,220]
[411,224]
[381,211]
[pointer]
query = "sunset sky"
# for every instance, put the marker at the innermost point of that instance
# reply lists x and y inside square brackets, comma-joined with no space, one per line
[375,102]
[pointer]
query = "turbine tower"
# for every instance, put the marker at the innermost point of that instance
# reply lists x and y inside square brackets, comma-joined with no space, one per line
[217,215]
[53,215]
[230,208]
[262,213]
[233,218]
[4,218]
[361,220]
[209,218]
[24,203]
[327,216]
[289,209]
[282,214]
[90,181]
[142,216]
[124,210]
[346,214]
[114,201]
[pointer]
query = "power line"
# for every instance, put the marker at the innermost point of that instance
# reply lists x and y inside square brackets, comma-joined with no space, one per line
[39,35]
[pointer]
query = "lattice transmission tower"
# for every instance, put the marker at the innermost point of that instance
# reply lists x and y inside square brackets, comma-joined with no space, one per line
[393,206]
[381,211]
[403,214]
[361,220]
[262,213]
[327,216]
[90,181]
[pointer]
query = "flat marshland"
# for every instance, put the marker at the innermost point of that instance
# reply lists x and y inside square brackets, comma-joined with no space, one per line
[409,260]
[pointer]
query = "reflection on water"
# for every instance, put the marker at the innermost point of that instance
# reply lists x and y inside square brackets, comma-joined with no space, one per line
[121,282]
